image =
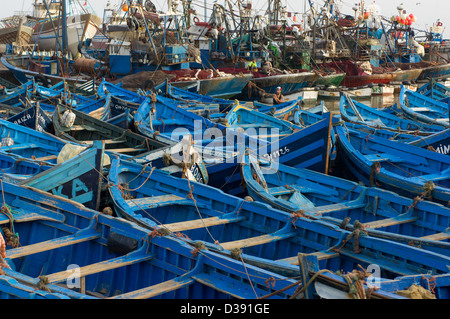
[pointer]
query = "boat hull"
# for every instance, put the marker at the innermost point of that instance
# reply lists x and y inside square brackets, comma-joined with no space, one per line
[332,79]
[79,28]
[307,148]
[406,75]
[363,80]
[21,35]
[287,82]
[399,176]
[221,87]
[434,72]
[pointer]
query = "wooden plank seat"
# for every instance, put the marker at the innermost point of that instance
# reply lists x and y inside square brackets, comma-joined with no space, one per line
[258,240]
[112,141]
[420,109]
[95,268]
[401,219]
[257,125]
[156,290]
[81,127]
[438,236]
[47,158]
[127,150]
[321,255]
[50,245]
[205,222]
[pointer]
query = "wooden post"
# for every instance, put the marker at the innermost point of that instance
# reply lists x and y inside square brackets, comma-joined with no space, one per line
[83,285]
[306,264]
[330,128]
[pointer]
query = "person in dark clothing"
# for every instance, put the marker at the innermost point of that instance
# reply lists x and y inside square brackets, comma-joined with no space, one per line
[278,98]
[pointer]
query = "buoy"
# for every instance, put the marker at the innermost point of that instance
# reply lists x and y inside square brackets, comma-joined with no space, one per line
[125,7]
[68,118]
[7,141]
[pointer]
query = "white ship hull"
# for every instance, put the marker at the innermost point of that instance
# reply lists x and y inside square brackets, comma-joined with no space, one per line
[79,28]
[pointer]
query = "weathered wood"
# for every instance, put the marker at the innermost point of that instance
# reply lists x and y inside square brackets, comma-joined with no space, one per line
[155,290]
[100,267]
[46,158]
[127,150]
[438,236]
[390,222]
[321,255]
[49,245]
[255,241]
[200,223]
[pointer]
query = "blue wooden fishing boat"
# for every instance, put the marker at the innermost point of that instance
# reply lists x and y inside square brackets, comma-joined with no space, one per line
[86,129]
[78,178]
[382,213]
[356,112]
[222,87]
[98,107]
[254,122]
[328,285]
[179,94]
[424,109]
[309,147]
[405,169]
[121,99]
[33,117]
[181,159]
[18,65]
[124,120]
[286,111]
[11,288]
[267,84]
[434,71]
[7,111]
[48,250]
[434,90]
[14,167]
[61,91]
[260,235]
[387,133]
[439,142]
[18,96]
[28,143]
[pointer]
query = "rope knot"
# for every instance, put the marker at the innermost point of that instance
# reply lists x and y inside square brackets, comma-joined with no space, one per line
[42,284]
[198,246]
[12,239]
[270,282]
[235,253]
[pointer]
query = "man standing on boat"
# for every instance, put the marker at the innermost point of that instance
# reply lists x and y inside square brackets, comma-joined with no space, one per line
[278,98]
